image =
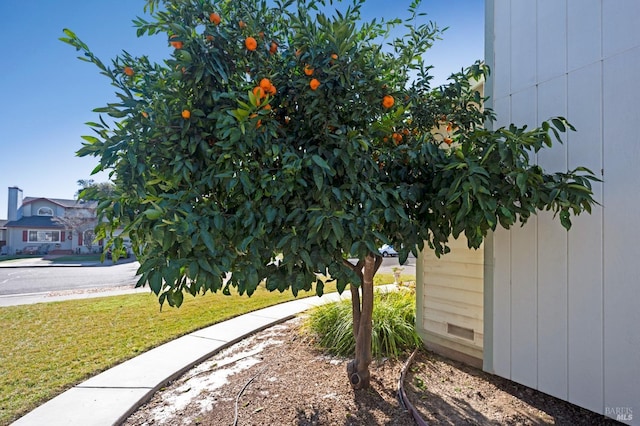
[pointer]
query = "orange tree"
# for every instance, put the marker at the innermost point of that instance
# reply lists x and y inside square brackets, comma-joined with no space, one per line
[280,140]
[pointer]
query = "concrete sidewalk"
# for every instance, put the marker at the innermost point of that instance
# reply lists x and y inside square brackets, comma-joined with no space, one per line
[110,397]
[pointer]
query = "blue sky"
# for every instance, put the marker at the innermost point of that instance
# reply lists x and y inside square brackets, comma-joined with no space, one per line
[46,94]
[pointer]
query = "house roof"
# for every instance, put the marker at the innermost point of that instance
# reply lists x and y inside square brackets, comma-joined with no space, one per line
[34,222]
[69,204]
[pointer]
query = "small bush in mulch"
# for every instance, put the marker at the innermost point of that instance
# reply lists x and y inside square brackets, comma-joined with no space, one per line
[393,332]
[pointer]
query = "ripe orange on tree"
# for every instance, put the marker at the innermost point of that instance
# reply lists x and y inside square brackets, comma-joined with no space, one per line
[308,70]
[265,83]
[273,48]
[388,101]
[251,43]
[397,137]
[186,114]
[215,18]
[267,86]
[128,71]
[259,92]
[176,44]
[314,83]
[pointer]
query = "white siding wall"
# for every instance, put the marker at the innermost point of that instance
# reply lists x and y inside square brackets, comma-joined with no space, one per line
[566,306]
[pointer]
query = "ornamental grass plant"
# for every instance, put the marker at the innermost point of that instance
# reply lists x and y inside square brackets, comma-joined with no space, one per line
[393,332]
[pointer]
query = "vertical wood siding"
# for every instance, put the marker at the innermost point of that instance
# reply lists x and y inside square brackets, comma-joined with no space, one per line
[565,306]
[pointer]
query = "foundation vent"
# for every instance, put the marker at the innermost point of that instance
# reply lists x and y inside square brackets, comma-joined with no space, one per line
[465,333]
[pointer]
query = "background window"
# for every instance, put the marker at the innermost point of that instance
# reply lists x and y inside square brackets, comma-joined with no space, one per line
[44,236]
[45,211]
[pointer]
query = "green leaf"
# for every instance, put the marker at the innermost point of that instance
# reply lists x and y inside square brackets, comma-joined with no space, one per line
[521,182]
[183,55]
[318,178]
[153,214]
[174,298]
[338,230]
[559,124]
[208,240]
[320,162]
[565,219]
[91,139]
[271,213]
[239,114]
[155,282]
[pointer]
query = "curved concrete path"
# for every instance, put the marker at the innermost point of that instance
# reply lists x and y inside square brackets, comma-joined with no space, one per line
[110,397]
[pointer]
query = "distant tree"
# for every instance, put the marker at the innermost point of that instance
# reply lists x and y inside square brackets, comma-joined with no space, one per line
[81,219]
[282,132]
[90,190]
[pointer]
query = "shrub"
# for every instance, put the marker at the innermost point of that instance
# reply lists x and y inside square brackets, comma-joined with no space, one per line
[393,325]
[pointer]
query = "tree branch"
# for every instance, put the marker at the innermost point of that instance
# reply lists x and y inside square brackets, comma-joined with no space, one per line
[356,268]
[377,264]
[355,295]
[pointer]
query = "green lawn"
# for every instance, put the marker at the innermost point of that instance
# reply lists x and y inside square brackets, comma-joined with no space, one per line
[47,348]
[78,258]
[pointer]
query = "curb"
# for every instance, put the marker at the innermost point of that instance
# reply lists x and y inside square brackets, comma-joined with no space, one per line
[61,265]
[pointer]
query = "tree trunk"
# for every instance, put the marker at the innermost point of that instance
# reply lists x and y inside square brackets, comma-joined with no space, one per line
[362,309]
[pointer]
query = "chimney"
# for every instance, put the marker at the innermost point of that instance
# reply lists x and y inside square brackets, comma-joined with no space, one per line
[15,202]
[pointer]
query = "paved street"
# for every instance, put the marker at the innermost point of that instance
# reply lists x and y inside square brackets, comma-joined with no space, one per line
[388,263]
[23,285]
[48,279]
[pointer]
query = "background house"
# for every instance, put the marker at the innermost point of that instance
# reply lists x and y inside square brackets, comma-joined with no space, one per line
[48,225]
[560,310]
[3,235]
